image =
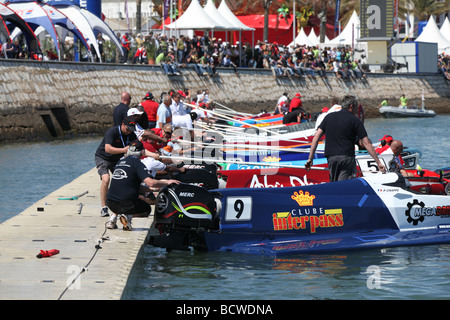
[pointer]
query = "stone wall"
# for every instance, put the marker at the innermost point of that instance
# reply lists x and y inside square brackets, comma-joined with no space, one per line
[46,100]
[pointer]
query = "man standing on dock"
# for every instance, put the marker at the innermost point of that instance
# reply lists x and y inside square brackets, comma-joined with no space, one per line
[113,146]
[342,131]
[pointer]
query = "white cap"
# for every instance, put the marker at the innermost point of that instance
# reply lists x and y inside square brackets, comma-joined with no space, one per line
[133,111]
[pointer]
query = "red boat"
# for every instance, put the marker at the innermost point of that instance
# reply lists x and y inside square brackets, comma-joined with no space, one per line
[423,181]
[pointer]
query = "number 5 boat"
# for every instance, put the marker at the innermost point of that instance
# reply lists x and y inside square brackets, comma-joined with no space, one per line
[376,211]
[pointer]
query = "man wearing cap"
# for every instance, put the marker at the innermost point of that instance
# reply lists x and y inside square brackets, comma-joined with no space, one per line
[342,130]
[296,102]
[385,143]
[113,146]
[140,117]
[123,197]
[150,107]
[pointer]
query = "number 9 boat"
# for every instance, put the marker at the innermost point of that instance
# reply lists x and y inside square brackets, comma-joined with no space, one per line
[376,211]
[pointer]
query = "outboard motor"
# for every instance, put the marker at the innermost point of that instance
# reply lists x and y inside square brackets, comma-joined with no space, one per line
[182,213]
[200,175]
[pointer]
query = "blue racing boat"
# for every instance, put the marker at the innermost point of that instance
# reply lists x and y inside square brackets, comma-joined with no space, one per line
[377,211]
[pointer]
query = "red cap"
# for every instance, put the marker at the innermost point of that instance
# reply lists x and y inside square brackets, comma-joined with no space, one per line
[298,95]
[325,109]
[181,92]
[387,138]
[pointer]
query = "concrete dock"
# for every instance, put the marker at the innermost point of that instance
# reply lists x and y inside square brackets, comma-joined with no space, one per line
[94,263]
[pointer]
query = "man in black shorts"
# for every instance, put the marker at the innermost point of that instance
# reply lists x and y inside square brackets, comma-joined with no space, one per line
[342,131]
[113,146]
[123,196]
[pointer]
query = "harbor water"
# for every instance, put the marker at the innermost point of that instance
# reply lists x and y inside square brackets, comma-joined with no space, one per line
[30,171]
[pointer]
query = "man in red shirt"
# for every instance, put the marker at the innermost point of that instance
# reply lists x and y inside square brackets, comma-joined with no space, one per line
[385,144]
[150,107]
[295,102]
[164,133]
[126,46]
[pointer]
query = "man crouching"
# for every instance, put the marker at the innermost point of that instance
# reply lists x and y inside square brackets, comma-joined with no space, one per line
[123,197]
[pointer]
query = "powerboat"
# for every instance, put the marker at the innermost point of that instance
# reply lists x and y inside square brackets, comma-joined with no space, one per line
[375,211]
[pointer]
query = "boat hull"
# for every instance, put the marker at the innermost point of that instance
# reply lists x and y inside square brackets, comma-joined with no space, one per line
[371,212]
[396,112]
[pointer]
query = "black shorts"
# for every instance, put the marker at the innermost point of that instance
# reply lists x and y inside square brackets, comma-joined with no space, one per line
[341,167]
[128,207]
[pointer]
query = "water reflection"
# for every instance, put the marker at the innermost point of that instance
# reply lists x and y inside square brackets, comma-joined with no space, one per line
[403,273]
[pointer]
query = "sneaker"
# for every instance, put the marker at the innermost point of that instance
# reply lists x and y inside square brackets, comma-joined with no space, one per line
[111,224]
[104,212]
[126,222]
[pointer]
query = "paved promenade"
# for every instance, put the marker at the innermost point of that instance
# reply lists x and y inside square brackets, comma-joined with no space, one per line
[87,266]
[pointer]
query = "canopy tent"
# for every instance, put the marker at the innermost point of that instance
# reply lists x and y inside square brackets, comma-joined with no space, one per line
[313,37]
[36,17]
[4,32]
[13,20]
[86,22]
[445,29]
[195,18]
[225,11]
[350,34]
[211,10]
[280,29]
[302,39]
[431,33]
[60,19]
[98,25]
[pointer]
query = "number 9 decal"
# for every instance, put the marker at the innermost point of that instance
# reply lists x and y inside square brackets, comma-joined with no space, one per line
[238,209]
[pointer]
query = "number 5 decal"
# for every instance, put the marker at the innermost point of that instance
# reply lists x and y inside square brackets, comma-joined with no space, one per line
[369,166]
[238,209]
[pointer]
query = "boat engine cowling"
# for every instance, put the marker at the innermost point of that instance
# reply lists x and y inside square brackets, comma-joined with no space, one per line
[186,206]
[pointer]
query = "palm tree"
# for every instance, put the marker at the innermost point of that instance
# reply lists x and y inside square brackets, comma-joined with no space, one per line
[266,6]
[424,9]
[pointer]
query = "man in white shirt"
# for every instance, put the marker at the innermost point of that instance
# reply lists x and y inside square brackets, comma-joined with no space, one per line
[164,114]
[180,112]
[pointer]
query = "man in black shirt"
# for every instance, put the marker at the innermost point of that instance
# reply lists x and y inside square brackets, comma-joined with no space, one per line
[123,196]
[113,146]
[120,112]
[342,131]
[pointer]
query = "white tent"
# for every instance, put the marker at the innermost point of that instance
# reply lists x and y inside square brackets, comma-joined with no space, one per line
[350,34]
[313,37]
[225,11]
[211,10]
[302,39]
[195,18]
[445,29]
[431,33]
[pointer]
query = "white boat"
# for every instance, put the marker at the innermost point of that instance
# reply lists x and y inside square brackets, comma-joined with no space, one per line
[396,112]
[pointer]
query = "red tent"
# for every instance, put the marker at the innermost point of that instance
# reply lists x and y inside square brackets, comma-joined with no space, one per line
[280,29]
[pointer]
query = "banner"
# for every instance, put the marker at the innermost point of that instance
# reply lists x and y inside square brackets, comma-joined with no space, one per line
[336,18]
[166,8]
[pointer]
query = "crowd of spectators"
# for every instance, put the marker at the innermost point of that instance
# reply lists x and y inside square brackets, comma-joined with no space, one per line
[205,54]
[444,65]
